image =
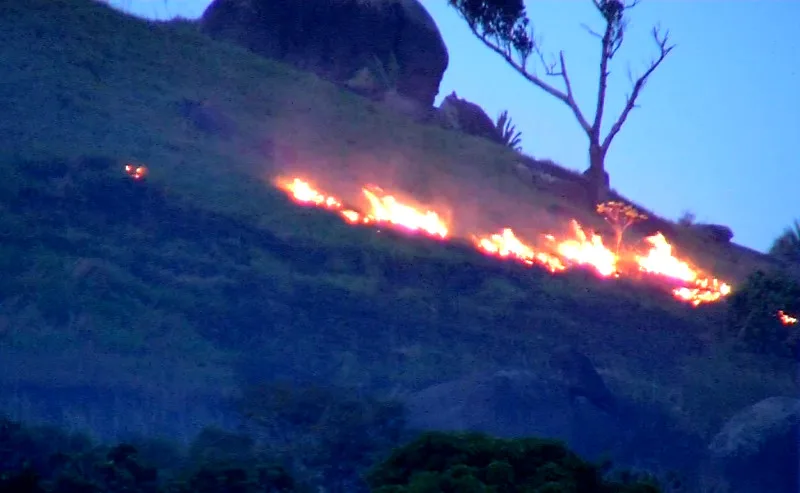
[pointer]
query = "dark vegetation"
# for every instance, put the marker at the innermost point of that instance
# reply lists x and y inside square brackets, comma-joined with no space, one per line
[508,131]
[139,307]
[754,320]
[48,460]
[787,245]
[477,463]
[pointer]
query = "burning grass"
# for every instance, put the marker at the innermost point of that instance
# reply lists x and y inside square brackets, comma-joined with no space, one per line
[786,319]
[556,254]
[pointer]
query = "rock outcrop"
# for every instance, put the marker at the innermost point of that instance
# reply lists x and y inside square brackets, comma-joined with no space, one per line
[758,447]
[459,114]
[581,378]
[714,232]
[506,403]
[395,41]
[518,403]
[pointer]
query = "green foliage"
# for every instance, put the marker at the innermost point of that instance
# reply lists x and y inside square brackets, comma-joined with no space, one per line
[754,318]
[165,286]
[505,22]
[329,430]
[173,277]
[787,245]
[471,462]
[508,131]
[46,460]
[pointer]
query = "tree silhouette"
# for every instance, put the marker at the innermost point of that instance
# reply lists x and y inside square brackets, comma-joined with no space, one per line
[475,462]
[787,245]
[504,27]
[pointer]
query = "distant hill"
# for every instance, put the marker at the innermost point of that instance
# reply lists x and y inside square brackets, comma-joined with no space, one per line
[144,305]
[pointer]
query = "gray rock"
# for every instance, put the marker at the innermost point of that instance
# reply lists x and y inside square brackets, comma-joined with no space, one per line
[338,38]
[758,447]
[459,114]
[406,106]
[517,403]
[505,403]
[715,232]
[582,379]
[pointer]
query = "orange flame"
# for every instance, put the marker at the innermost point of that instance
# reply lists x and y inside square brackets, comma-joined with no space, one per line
[136,172]
[661,262]
[507,245]
[384,209]
[304,193]
[703,291]
[580,249]
[786,319]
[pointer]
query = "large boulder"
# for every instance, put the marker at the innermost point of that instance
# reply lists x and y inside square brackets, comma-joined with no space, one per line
[510,403]
[758,447]
[338,39]
[714,232]
[567,401]
[459,114]
[581,378]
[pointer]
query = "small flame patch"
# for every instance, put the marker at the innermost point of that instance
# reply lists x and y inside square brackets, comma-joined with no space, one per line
[137,172]
[786,319]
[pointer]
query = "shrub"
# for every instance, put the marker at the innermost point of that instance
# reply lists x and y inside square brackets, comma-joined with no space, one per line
[473,462]
[787,245]
[508,132]
[687,218]
[754,314]
[47,460]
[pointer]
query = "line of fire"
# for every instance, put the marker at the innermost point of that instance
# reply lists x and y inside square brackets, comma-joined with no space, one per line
[580,248]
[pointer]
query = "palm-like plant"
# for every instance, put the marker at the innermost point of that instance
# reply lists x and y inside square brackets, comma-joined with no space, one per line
[787,245]
[508,131]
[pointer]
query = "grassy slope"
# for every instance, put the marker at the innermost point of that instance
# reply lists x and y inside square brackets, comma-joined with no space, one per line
[169,287]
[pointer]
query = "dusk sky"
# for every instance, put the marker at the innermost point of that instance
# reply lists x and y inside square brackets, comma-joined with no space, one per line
[715,129]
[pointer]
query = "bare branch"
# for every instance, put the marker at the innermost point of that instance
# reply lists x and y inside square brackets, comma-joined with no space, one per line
[591,31]
[664,49]
[567,98]
[564,74]
[549,67]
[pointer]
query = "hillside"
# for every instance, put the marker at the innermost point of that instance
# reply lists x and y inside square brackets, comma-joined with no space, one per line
[140,306]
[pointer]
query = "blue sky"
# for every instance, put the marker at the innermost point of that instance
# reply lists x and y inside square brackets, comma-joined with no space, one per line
[718,128]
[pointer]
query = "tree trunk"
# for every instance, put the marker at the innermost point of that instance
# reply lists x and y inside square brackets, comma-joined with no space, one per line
[597,181]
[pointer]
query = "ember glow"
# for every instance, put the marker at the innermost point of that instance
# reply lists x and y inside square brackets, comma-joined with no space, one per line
[660,261]
[786,319]
[384,209]
[507,245]
[135,172]
[579,248]
[702,291]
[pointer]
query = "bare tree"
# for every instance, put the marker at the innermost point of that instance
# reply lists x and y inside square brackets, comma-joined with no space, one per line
[504,27]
